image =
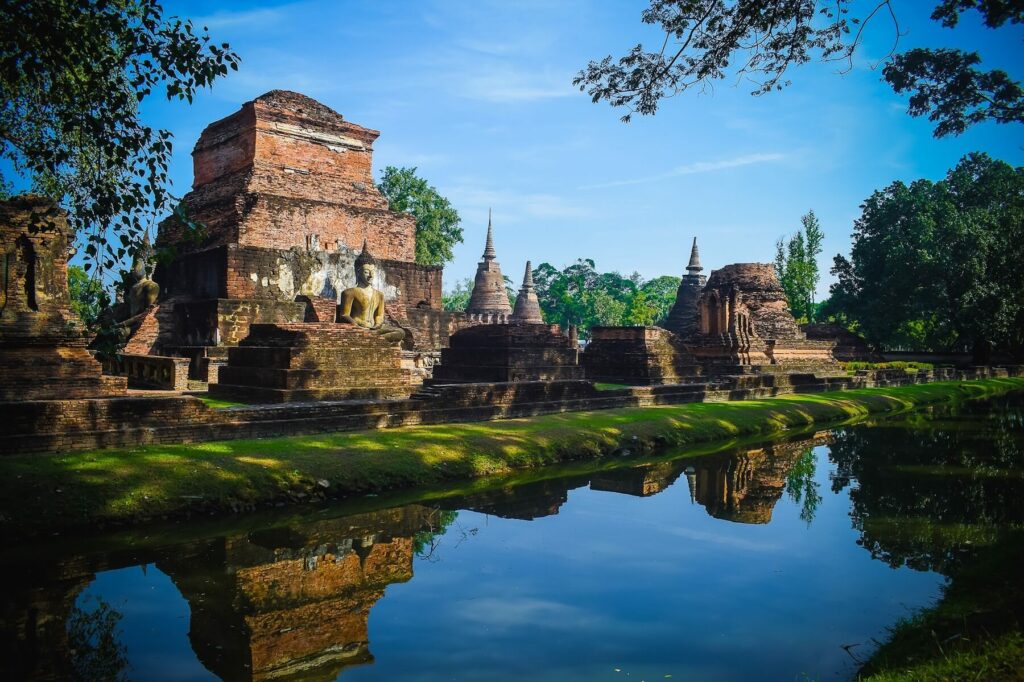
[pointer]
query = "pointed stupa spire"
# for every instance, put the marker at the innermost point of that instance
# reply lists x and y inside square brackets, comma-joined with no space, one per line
[489,296]
[527,306]
[528,277]
[691,482]
[489,252]
[694,267]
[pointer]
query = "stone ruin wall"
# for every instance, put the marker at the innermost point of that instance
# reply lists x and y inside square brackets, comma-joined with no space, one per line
[286,171]
[42,342]
[759,296]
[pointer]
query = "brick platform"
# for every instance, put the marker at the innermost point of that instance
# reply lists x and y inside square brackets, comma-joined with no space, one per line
[638,355]
[508,352]
[311,361]
[67,425]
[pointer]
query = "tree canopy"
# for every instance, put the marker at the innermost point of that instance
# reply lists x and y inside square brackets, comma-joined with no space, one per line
[760,40]
[437,221]
[72,77]
[88,297]
[937,265]
[796,264]
[580,295]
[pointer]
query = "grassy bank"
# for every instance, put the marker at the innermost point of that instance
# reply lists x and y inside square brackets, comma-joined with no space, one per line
[973,633]
[90,489]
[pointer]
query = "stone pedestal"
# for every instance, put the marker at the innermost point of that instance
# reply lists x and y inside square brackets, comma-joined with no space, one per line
[508,352]
[638,355]
[43,352]
[311,361]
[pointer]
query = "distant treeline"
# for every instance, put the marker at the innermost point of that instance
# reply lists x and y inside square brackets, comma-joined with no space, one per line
[580,295]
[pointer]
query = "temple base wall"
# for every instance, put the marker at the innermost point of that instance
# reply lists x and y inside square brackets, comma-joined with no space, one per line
[638,356]
[67,425]
[311,361]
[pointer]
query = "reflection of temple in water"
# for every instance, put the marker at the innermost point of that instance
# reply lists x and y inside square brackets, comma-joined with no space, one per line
[293,603]
[279,604]
[640,481]
[524,502]
[746,486]
[742,486]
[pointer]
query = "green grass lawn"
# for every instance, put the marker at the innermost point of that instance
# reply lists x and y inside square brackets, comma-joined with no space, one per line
[42,493]
[602,386]
[217,404]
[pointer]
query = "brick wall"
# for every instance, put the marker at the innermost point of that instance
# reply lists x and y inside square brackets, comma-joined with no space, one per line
[419,286]
[286,170]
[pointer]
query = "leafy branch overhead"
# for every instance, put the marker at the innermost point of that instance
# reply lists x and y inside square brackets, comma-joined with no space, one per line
[73,75]
[760,40]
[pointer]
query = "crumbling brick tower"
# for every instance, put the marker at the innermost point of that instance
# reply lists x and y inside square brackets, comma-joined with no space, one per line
[43,352]
[284,197]
[743,318]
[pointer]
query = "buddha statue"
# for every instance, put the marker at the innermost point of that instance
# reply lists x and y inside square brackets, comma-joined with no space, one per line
[141,291]
[362,305]
[119,322]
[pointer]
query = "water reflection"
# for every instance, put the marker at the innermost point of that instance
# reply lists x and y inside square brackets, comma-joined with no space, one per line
[294,602]
[929,489]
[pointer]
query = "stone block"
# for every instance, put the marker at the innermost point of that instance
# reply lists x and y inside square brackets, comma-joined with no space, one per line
[508,352]
[638,355]
[312,361]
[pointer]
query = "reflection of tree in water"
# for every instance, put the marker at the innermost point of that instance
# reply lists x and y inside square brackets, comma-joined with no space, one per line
[97,653]
[425,542]
[928,490]
[801,486]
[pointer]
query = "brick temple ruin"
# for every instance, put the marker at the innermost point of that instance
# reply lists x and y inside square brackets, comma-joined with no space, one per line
[735,322]
[287,279]
[285,197]
[43,351]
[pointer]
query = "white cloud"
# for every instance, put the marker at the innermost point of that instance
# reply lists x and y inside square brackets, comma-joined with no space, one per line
[503,84]
[252,18]
[694,169]
[510,612]
[511,206]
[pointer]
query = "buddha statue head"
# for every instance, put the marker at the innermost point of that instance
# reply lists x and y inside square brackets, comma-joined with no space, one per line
[366,267]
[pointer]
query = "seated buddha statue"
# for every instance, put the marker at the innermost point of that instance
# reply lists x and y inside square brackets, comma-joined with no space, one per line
[362,305]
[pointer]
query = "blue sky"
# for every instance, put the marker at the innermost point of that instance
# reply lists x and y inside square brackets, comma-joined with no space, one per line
[478,96]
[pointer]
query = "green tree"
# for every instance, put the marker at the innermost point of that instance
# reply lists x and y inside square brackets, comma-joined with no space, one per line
[581,295]
[457,299]
[936,265]
[437,221]
[796,264]
[72,77]
[660,292]
[760,40]
[640,311]
[88,297]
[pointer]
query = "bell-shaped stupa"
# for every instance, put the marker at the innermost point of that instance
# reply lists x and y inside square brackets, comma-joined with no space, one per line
[527,306]
[489,296]
[682,319]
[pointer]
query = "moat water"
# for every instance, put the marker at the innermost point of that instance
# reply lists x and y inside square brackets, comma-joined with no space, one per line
[780,561]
